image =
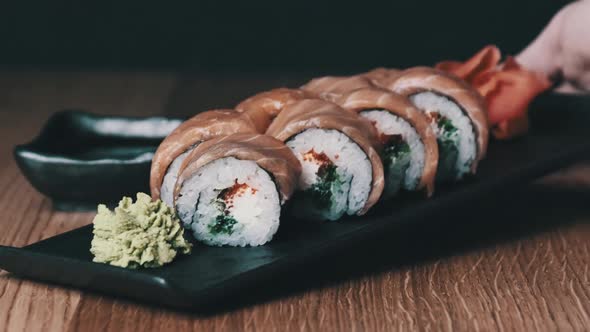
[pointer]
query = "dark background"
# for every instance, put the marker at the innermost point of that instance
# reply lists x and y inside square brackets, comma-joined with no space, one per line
[262,36]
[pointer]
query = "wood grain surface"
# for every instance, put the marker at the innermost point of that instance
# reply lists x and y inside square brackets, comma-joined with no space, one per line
[516,262]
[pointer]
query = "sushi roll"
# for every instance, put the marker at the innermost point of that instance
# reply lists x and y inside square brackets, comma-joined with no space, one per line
[176,147]
[333,87]
[457,113]
[410,151]
[262,108]
[341,170]
[230,189]
[380,76]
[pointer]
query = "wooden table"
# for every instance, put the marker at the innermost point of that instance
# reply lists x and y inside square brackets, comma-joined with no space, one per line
[521,263]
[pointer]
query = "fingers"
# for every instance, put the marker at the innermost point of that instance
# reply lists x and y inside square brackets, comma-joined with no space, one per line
[542,54]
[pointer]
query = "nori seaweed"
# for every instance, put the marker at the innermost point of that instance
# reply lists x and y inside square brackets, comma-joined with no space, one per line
[447,150]
[396,160]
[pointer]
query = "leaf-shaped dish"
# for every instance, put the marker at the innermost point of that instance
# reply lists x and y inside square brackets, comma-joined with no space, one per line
[80,159]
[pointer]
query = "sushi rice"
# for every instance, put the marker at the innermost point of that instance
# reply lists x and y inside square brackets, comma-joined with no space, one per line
[169,181]
[455,134]
[336,174]
[403,158]
[230,202]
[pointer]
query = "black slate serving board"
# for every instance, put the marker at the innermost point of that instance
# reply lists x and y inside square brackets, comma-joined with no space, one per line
[212,275]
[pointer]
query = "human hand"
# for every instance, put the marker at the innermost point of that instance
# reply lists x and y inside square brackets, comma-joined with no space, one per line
[562,50]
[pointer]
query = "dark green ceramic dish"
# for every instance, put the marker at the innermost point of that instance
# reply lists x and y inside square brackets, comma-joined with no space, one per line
[80,159]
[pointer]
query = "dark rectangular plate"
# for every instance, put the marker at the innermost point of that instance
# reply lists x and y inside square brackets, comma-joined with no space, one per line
[212,275]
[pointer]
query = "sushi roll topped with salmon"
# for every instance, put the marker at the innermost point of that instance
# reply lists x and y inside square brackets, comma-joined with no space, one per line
[263,107]
[333,87]
[176,146]
[410,151]
[342,172]
[457,113]
[230,189]
[381,76]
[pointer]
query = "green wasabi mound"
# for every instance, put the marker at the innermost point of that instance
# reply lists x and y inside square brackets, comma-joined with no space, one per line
[140,234]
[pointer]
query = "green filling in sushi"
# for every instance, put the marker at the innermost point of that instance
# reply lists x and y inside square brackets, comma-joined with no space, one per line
[230,202]
[321,192]
[224,224]
[448,140]
[396,160]
[336,175]
[456,134]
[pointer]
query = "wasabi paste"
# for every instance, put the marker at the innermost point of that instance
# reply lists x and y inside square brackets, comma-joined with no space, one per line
[140,234]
